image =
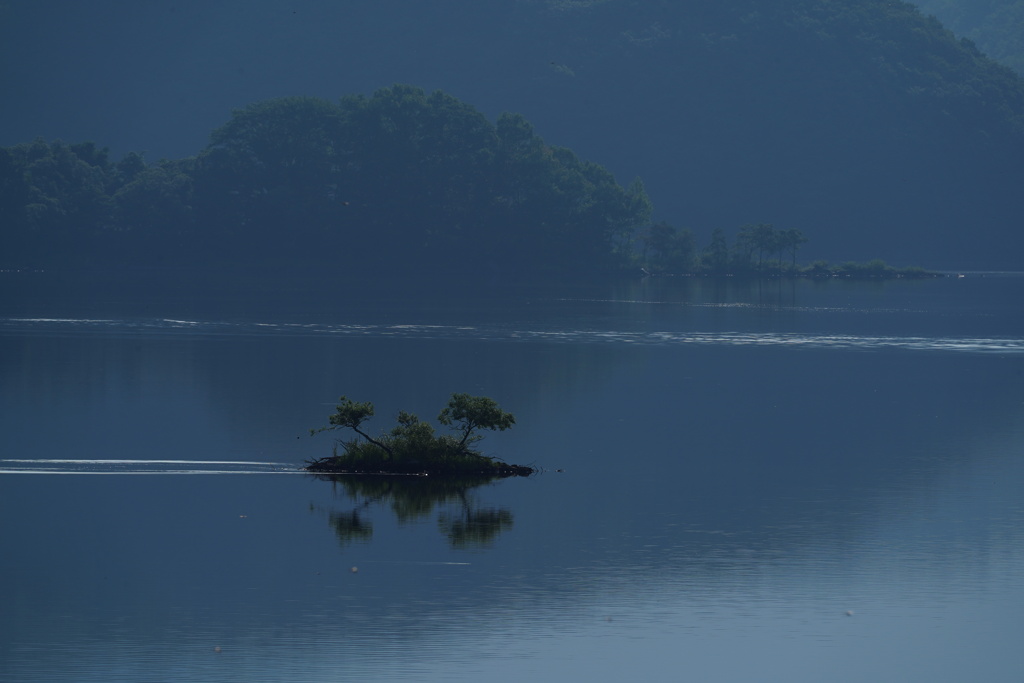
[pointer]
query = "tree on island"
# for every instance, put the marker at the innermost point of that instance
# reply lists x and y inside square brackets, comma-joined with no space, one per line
[411,447]
[470,413]
[349,415]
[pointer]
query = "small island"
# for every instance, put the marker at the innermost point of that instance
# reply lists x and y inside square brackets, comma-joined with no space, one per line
[412,448]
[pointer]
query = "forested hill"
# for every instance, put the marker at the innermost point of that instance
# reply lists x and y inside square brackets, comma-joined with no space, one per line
[996,26]
[398,183]
[864,124]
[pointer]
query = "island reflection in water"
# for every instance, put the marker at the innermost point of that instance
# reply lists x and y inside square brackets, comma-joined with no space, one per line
[461,517]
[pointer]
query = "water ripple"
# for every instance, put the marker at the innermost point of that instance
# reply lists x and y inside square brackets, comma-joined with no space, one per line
[496,332]
[65,466]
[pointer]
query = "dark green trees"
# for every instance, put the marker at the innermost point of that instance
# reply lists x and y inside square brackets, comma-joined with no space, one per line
[715,257]
[668,250]
[267,185]
[70,205]
[350,415]
[405,180]
[470,413]
[758,249]
[154,222]
[399,181]
[402,182]
[418,177]
[54,200]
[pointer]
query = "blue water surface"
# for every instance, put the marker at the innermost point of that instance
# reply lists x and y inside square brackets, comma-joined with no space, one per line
[739,481]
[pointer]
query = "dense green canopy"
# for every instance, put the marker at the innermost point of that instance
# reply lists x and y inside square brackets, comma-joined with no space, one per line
[400,180]
[864,123]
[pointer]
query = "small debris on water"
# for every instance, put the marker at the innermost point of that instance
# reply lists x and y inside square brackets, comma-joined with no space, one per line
[355,569]
[217,649]
[849,612]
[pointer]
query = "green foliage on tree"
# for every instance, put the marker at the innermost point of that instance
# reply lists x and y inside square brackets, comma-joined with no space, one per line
[153,212]
[791,240]
[668,249]
[54,201]
[470,413]
[421,181]
[266,187]
[350,415]
[757,239]
[764,240]
[715,257]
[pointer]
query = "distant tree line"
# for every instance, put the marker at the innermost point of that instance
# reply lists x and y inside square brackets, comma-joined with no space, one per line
[757,250]
[398,182]
[395,181]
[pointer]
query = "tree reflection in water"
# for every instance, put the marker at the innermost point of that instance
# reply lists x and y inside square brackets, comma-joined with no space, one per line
[460,517]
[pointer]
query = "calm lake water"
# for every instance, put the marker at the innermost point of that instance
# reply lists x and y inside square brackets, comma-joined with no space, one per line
[796,482]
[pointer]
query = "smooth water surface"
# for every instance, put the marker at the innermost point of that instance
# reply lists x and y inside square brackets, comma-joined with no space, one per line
[795,482]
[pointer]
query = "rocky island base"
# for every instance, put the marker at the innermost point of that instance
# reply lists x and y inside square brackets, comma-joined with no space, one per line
[489,468]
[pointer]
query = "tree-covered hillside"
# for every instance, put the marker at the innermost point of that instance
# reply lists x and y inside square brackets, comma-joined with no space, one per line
[996,26]
[861,123]
[397,182]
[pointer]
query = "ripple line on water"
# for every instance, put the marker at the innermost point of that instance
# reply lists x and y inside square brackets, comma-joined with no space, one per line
[496,332]
[125,466]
